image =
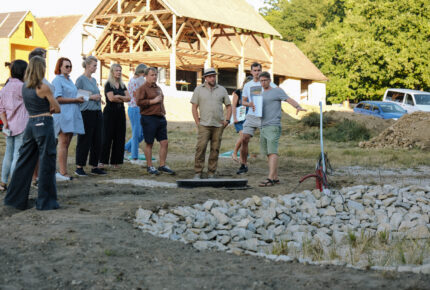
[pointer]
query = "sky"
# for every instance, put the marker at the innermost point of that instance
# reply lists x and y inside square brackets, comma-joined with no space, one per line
[42,8]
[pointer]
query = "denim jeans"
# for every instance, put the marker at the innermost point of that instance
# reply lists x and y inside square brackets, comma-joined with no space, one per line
[136,131]
[13,143]
[38,144]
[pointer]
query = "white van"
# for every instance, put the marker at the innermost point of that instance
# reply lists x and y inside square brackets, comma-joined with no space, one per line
[410,100]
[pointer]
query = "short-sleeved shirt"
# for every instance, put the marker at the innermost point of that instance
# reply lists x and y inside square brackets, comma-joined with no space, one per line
[133,85]
[84,83]
[272,110]
[70,118]
[210,102]
[120,91]
[253,88]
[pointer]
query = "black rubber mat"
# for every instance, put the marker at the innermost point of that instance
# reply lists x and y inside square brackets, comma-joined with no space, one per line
[190,183]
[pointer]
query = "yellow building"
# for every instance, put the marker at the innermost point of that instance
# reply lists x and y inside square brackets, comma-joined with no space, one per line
[19,35]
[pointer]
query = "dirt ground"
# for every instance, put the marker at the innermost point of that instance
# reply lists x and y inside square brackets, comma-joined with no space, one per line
[92,243]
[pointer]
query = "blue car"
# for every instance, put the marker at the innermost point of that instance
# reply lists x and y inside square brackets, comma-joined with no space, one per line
[382,110]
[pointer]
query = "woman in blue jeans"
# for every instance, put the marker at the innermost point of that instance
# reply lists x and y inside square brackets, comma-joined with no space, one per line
[38,143]
[134,113]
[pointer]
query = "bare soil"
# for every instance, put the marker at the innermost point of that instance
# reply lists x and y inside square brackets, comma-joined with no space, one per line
[91,241]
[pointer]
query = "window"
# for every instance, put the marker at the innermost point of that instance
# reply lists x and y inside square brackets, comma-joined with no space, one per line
[360,106]
[367,107]
[375,109]
[29,29]
[409,100]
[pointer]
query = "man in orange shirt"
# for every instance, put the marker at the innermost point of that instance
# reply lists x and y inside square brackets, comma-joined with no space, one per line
[149,98]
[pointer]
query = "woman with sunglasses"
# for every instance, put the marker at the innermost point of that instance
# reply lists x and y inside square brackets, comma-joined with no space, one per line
[69,121]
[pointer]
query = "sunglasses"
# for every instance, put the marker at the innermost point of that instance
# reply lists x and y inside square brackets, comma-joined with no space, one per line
[68,66]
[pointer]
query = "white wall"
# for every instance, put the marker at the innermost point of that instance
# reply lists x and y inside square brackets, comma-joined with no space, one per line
[316,93]
[73,46]
[292,88]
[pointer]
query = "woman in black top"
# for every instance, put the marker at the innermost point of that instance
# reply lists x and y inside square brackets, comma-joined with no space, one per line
[238,125]
[38,143]
[114,119]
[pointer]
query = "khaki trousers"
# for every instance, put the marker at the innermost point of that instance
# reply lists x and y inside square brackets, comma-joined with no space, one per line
[206,134]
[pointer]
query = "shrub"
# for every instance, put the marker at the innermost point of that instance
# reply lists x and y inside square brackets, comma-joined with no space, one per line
[313,120]
[347,130]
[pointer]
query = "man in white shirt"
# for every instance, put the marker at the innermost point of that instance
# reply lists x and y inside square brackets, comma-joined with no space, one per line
[251,91]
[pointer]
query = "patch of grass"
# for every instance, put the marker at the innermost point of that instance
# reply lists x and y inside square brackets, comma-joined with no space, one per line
[109,252]
[280,248]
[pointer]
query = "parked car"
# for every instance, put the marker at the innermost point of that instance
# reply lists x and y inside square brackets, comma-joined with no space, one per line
[384,110]
[410,100]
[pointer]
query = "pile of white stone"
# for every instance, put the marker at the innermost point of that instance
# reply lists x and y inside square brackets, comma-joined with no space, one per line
[254,225]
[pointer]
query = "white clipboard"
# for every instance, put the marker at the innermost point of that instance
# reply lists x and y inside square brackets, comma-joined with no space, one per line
[258,102]
[240,113]
[85,94]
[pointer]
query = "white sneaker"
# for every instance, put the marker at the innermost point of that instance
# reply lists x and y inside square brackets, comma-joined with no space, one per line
[60,177]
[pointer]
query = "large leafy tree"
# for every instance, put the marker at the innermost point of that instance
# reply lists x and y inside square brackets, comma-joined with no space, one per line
[369,45]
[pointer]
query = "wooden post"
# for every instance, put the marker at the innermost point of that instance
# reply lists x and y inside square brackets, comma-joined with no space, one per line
[173,55]
[208,62]
[148,5]
[241,68]
[271,71]
[119,7]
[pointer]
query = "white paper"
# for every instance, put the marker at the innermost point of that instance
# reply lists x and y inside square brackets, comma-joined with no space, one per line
[84,93]
[258,102]
[240,113]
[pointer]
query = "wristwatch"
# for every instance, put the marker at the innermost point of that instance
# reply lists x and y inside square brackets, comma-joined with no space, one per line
[228,121]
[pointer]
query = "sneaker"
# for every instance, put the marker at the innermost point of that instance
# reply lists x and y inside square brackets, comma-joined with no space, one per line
[152,170]
[243,169]
[80,172]
[98,171]
[166,169]
[197,176]
[60,177]
[211,176]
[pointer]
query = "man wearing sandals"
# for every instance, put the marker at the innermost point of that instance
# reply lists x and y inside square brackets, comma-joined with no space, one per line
[271,125]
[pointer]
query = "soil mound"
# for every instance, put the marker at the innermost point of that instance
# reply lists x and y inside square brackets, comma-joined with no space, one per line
[374,124]
[410,131]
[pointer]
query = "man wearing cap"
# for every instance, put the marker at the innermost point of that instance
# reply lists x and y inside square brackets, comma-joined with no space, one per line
[208,114]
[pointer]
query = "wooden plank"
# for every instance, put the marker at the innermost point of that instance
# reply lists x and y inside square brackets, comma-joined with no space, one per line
[132,14]
[162,27]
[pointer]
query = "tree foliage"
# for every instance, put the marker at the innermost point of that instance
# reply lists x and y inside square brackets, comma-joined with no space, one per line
[363,46]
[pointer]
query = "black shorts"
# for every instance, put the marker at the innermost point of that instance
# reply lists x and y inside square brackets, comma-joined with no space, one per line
[154,127]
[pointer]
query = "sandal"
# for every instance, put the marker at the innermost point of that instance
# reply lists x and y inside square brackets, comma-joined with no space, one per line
[3,186]
[276,181]
[268,182]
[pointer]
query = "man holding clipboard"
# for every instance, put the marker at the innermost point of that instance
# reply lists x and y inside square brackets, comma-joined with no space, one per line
[252,98]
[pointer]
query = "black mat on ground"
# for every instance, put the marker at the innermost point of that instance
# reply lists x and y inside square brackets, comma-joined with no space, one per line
[189,183]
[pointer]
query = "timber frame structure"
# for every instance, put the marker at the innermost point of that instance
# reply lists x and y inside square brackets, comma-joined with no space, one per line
[180,34]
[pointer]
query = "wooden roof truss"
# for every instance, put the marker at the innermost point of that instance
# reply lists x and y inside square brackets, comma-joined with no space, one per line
[146,31]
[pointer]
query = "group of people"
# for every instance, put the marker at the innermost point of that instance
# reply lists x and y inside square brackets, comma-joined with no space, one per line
[260,98]
[41,119]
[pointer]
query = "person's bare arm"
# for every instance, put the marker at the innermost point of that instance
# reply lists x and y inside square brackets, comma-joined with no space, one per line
[195,113]
[63,100]
[248,104]
[126,98]
[233,107]
[45,92]
[228,107]
[296,105]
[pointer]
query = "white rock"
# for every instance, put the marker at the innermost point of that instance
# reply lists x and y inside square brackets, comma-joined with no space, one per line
[330,211]
[221,217]
[425,269]
[419,232]
[257,200]
[143,215]
[203,245]
[389,201]
[223,239]
[316,193]
[325,201]
[355,205]
[208,205]
[243,223]
[250,244]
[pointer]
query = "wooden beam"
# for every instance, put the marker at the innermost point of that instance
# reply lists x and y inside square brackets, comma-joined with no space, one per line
[133,14]
[173,55]
[162,27]
[197,34]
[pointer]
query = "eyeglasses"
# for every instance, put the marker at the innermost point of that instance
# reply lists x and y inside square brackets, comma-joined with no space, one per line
[67,66]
